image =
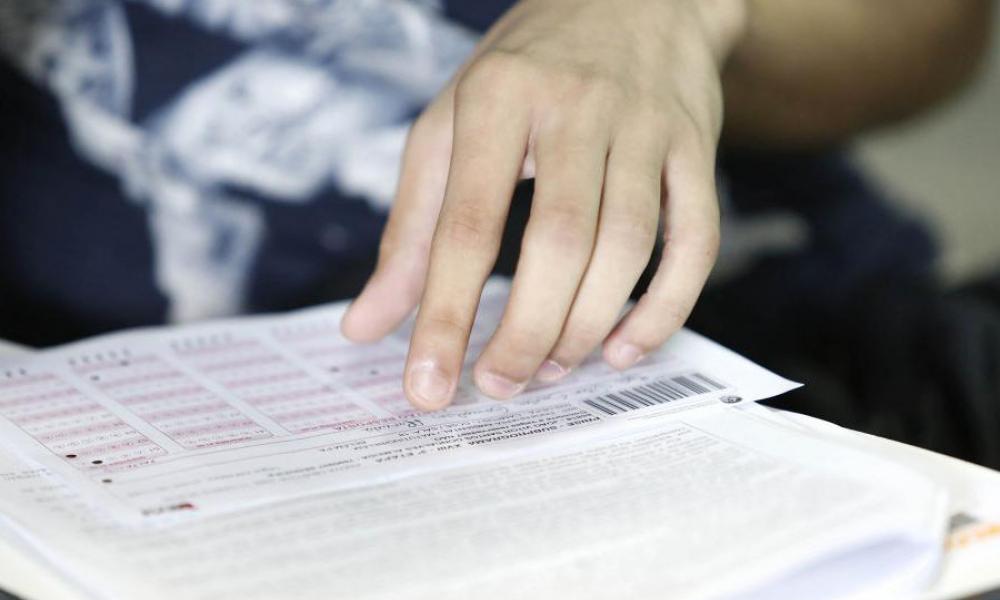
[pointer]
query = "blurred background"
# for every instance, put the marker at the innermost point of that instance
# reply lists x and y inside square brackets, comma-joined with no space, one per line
[946,167]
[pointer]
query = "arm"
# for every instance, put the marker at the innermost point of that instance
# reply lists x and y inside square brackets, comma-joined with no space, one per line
[815,72]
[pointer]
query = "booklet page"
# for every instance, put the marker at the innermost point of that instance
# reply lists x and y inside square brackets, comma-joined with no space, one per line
[707,502]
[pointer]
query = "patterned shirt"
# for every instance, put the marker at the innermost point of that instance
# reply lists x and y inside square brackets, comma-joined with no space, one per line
[170,160]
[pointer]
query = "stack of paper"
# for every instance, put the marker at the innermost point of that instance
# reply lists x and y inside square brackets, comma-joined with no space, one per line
[269,458]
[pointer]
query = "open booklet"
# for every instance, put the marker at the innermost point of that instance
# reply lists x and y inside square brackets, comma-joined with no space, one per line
[269,458]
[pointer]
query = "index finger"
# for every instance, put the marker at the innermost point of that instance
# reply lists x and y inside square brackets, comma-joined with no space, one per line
[491,138]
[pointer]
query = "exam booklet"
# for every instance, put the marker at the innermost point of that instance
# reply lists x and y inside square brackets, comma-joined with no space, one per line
[268,457]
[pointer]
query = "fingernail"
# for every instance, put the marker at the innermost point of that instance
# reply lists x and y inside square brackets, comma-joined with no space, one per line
[498,386]
[627,355]
[551,371]
[429,385]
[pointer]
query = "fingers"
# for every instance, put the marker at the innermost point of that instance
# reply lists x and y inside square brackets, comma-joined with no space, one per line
[395,287]
[691,242]
[490,139]
[589,238]
[558,240]
[626,236]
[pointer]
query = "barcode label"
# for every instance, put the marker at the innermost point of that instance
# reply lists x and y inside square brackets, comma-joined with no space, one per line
[662,391]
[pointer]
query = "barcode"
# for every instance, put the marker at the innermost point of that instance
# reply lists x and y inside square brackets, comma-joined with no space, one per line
[662,391]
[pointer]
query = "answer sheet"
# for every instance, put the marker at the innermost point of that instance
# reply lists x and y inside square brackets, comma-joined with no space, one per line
[656,483]
[160,424]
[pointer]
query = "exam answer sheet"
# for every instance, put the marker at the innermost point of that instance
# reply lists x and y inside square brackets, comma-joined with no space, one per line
[145,465]
[216,417]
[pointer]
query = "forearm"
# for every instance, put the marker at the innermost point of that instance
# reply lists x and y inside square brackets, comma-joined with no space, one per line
[809,73]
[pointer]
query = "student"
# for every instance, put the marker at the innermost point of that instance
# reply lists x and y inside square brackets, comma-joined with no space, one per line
[177,160]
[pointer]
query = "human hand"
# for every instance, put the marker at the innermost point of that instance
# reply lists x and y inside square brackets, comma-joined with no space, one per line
[615,108]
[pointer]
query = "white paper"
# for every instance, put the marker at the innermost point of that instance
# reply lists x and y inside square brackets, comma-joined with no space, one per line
[971,563]
[164,423]
[700,503]
[574,491]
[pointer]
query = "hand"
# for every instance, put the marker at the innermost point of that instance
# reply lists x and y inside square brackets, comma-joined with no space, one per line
[615,107]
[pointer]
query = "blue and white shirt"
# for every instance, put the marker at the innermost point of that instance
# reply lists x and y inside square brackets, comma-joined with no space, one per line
[170,160]
[210,120]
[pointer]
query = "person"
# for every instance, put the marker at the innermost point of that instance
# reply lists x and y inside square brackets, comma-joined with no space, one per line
[185,159]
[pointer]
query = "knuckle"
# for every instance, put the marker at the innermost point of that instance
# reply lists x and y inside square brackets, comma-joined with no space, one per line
[672,317]
[707,238]
[699,126]
[566,227]
[446,322]
[467,90]
[634,231]
[711,243]
[393,248]
[599,91]
[389,245]
[665,318]
[396,242]
[581,336]
[703,239]
[699,102]
[465,227]
[424,126]
[428,136]
[714,108]
[701,142]
[494,70]
[523,339]
[653,118]
[636,242]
